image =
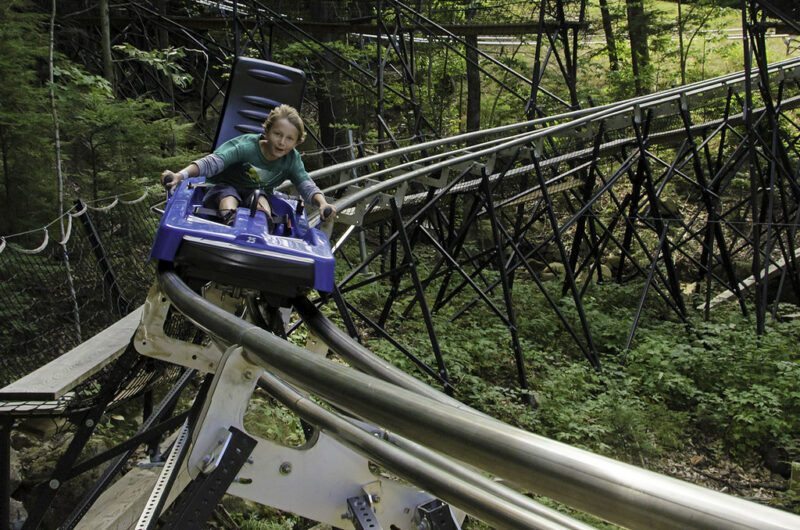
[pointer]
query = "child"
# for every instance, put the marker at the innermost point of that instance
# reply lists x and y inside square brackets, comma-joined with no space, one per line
[250,162]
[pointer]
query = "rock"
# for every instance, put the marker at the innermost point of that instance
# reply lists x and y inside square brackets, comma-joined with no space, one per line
[37,465]
[776,459]
[39,461]
[794,480]
[14,472]
[613,260]
[605,272]
[17,514]
[557,268]
[20,441]
[43,428]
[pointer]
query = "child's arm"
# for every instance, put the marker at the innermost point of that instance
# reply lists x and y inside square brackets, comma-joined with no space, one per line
[308,190]
[176,177]
[208,165]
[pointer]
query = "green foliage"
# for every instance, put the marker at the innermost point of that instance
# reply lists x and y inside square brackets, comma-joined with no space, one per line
[110,146]
[253,516]
[254,522]
[713,380]
[165,61]
[719,380]
[266,418]
[706,50]
[26,151]
[737,385]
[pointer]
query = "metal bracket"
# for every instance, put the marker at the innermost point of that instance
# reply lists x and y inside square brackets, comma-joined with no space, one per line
[373,492]
[359,511]
[234,372]
[204,493]
[440,182]
[150,339]
[353,215]
[399,196]
[312,480]
[491,162]
[436,515]
[212,460]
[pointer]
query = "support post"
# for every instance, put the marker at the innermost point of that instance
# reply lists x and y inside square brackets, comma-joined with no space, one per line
[118,300]
[423,304]
[6,423]
[506,282]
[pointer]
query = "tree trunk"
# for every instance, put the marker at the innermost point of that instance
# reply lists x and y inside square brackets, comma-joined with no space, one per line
[473,78]
[327,101]
[608,30]
[60,176]
[680,44]
[105,27]
[637,29]
[10,205]
[54,115]
[163,43]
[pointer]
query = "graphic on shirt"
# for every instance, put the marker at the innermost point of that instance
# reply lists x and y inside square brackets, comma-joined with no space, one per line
[252,174]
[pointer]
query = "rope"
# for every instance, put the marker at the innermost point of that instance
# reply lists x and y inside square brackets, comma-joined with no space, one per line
[35,250]
[68,233]
[104,208]
[140,199]
[40,300]
[80,212]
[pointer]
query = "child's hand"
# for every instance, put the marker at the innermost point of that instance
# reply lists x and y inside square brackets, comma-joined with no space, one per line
[170,180]
[327,211]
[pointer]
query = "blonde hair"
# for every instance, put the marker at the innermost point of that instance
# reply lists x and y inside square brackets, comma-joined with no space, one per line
[289,113]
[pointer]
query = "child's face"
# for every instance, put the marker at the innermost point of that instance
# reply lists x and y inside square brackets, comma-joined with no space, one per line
[281,139]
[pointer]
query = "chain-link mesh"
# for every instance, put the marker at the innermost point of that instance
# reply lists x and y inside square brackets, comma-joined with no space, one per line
[58,292]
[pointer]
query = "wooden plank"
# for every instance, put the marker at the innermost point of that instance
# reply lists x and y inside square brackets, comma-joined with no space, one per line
[745,284]
[120,506]
[61,375]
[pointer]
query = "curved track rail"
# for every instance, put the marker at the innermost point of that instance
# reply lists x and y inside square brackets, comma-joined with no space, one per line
[609,489]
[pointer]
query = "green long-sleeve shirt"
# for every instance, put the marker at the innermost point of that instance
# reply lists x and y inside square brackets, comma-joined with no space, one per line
[245,166]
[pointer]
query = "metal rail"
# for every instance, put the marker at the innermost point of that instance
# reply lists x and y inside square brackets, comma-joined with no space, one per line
[667,102]
[692,90]
[581,148]
[614,491]
[488,500]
